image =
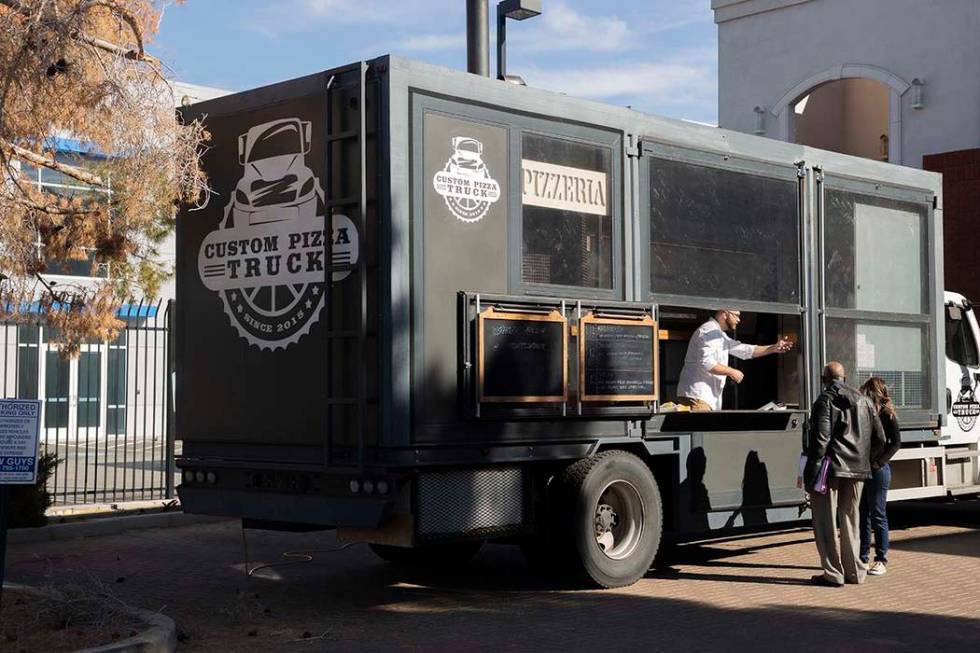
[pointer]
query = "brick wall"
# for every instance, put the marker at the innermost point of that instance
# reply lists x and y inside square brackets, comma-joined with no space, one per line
[961,218]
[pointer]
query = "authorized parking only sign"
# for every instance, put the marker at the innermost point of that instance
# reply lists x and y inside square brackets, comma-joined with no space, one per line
[20,422]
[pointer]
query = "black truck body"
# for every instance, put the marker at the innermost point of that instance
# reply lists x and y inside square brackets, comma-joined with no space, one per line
[334,377]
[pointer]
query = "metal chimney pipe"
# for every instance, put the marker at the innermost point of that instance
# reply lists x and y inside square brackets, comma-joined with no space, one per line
[478,37]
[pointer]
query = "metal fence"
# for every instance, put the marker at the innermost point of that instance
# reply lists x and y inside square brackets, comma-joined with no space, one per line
[106,413]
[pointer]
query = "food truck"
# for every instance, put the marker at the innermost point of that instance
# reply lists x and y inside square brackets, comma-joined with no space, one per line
[429,309]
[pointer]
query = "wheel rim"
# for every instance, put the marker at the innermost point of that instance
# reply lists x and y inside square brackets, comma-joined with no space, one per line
[618,520]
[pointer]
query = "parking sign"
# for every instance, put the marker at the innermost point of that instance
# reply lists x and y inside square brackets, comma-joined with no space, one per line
[20,422]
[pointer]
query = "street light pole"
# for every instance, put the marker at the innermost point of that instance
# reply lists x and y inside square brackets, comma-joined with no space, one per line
[478,37]
[516,10]
[501,44]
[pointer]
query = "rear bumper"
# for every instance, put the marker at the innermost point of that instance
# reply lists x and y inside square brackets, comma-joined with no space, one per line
[361,512]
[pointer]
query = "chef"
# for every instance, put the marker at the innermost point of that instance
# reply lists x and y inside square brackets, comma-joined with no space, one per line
[706,364]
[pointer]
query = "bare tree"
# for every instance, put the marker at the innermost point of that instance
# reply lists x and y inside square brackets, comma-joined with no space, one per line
[78,69]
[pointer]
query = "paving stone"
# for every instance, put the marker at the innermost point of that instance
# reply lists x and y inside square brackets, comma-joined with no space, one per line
[746,592]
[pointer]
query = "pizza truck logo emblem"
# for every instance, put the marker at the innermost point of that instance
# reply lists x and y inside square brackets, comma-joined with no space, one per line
[465,183]
[267,259]
[966,409]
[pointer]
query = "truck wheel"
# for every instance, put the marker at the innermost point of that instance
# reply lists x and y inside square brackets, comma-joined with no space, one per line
[449,554]
[613,518]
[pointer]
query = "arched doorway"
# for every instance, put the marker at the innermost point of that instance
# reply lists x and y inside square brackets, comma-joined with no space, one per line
[854,117]
[847,115]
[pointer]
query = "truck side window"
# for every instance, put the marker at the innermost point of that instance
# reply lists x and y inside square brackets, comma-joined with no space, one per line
[875,253]
[566,209]
[897,353]
[717,232]
[875,258]
[961,347]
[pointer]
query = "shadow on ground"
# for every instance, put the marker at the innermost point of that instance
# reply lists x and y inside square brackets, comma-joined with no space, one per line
[350,600]
[498,603]
[908,514]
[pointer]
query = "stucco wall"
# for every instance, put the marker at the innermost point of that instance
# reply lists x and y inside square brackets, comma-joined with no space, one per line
[764,55]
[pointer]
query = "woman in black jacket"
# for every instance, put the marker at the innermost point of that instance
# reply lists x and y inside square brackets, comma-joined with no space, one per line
[874,519]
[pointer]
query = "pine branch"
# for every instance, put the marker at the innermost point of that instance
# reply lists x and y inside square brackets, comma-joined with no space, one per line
[53,209]
[137,55]
[47,162]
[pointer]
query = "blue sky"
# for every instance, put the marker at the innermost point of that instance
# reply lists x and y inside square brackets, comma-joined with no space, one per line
[658,56]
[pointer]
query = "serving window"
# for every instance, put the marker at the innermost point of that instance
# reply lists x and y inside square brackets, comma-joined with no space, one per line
[566,210]
[776,379]
[720,232]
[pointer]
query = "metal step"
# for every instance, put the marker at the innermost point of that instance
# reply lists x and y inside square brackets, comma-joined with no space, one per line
[961,454]
[957,490]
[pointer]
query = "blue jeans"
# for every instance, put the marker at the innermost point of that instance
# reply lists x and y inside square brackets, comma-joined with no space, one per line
[873,516]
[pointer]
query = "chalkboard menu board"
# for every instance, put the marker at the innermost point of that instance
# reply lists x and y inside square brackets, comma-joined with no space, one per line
[522,357]
[617,359]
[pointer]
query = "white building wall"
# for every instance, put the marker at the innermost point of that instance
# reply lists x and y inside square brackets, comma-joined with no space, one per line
[769,47]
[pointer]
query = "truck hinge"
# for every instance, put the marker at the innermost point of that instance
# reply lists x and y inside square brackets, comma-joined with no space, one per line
[800,169]
[634,151]
[818,173]
[935,203]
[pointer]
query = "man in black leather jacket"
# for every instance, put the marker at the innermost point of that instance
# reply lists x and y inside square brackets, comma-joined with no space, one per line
[844,426]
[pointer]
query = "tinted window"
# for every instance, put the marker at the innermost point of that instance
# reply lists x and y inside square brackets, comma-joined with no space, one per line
[55,390]
[27,361]
[961,347]
[875,253]
[116,386]
[566,200]
[722,233]
[86,267]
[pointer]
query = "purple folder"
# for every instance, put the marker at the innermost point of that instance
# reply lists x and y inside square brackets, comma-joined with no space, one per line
[820,483]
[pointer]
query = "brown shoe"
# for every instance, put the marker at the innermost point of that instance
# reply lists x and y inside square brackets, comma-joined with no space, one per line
[823,581]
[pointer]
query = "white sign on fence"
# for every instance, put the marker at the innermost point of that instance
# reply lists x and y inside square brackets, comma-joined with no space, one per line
[20,428]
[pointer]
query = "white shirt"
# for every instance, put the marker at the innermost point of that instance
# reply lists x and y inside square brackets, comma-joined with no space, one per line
[709,346]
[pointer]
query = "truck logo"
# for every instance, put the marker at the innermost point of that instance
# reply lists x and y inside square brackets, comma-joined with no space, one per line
[267,259]
[465,183]
[966,409]
[345,246]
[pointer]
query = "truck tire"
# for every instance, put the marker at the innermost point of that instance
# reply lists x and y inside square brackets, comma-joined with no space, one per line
[613,518]
[449,554]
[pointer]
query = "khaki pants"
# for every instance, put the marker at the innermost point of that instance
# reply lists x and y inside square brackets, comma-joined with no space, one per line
[842,502]
[695,404]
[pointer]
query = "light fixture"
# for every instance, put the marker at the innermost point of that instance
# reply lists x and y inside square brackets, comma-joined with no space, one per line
[918,101]
[515,10]
[760,121]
